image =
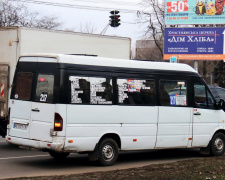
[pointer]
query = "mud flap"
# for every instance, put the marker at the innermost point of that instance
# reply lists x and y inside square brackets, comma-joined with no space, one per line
[93,156]
[3,128]
[206,151]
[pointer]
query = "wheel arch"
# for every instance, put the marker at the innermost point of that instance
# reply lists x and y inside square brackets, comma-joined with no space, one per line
[113,136]
[93,156]
[207,150]
[215,132]
[219,130]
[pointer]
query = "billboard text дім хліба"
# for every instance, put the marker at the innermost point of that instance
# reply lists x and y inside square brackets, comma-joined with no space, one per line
[194,43]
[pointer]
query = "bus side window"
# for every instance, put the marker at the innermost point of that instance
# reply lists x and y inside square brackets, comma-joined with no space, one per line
[203,99]
[91,90]
[44,89]
[173,93]
[136,92]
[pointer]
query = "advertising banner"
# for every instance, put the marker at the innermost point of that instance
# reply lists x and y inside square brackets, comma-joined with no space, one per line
[194,12]
[194,43]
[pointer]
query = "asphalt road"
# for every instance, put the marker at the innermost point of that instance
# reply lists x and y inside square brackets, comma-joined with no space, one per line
[16,162]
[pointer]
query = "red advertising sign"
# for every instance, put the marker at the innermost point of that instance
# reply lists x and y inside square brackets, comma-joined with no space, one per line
[177,6]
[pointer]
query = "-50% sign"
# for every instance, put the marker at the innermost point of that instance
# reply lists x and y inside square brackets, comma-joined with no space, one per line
[177,6]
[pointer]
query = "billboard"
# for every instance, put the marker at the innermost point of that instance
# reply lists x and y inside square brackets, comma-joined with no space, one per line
[194,43]
[194,12]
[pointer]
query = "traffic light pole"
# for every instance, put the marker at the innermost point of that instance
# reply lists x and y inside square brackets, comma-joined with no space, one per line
[105,29]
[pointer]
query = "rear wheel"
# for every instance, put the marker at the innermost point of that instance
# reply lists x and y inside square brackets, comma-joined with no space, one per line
[107,152]
[57,155]
[218,144]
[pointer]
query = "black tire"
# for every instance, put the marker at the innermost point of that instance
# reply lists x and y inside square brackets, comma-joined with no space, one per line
[107,152]
[57,155]
[218,144]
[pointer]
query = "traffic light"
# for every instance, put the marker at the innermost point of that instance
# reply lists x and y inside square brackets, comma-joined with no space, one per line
[114,19]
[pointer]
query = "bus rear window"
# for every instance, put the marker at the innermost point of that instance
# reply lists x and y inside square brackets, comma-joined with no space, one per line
[23,86]
[45,87]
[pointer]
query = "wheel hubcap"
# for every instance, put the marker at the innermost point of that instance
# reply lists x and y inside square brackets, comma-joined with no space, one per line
[219,144]
[108,152]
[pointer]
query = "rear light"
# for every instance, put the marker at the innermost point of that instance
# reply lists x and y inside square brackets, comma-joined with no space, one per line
[58,123]
[8,119]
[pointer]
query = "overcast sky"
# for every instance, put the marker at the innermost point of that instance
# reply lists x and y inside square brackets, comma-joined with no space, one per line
[80,13]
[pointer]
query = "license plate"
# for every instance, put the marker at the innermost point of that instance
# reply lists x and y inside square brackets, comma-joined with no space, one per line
[20,126]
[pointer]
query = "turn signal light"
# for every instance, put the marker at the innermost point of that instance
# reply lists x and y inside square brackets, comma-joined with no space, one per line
[58,123]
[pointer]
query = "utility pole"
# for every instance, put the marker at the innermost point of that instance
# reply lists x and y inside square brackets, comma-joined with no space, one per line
[0,18]
[1,10]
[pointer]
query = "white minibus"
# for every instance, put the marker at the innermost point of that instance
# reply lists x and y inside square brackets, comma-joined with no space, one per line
[81,104]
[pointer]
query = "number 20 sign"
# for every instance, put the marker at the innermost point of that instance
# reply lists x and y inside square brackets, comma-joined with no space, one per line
[177,6]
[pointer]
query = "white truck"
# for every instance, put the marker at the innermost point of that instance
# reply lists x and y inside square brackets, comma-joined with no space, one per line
[15,41]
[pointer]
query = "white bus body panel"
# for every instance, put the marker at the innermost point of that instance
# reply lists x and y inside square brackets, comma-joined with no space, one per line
[174,127]
[204,125]
[86,124]
[42,121]
[20,114]
[39,123]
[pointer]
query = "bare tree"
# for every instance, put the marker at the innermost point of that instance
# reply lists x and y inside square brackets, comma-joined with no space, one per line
[17,14]
[154,17]
[83,28]
[87,28]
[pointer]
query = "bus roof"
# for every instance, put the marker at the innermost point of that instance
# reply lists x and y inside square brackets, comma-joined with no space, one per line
[108,62]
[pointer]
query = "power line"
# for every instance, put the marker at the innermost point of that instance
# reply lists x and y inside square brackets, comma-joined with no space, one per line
[132,22]
[75,6]
[109,2]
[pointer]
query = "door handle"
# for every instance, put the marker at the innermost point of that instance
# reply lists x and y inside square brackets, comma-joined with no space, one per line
[35,110]
[197,113]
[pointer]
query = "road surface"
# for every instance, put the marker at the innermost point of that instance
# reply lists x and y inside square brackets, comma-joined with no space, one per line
[16,162]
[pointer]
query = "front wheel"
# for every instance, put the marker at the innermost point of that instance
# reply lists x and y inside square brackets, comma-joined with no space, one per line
[107,152]
[218,144]
[57,155]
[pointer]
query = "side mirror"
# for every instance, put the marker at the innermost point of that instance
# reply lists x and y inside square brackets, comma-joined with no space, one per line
[221,104]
